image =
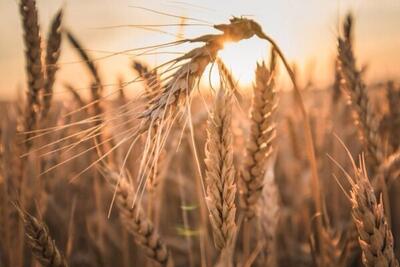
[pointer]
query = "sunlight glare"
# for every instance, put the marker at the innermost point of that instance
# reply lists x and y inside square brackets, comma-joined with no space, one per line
[240,58]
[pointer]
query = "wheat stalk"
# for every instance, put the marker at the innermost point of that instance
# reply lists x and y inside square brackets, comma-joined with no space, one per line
[135,221]
[34,68]
[355,89]
[177,89]
[262,133]
[52,54]
[220,180]
[42,245]
[375,237]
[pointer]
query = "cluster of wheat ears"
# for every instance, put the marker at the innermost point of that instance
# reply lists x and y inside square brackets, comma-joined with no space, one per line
[180,176]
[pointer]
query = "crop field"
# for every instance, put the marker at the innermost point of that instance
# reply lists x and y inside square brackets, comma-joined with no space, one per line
[175,161]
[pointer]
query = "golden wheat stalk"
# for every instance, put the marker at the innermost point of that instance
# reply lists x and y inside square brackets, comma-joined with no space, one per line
[375,237]
[42,245]
[135,221]
[52,54]
[262,134]
[356,91]
[34,68]
[220,174]
[175,92]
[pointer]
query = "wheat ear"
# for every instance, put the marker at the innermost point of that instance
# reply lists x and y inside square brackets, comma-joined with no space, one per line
[262,133]
[34,68]
[355,89]
[52,54]
[42,245]
[375,237]
[152,87]
[178,87]
[220,174]
[135,221]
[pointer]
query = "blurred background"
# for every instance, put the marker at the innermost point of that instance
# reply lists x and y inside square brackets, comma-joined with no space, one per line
[306,31]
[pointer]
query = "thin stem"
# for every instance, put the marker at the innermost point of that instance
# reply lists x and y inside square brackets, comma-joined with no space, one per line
[315,186]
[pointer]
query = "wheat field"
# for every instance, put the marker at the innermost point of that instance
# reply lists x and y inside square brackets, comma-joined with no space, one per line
[185,171]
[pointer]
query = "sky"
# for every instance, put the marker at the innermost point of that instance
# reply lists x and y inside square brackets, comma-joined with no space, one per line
[306,31]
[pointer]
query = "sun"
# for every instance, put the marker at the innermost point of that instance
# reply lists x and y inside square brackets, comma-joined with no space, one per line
[241,57]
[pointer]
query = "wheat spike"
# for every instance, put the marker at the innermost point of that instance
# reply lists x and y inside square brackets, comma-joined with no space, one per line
[262,133]
[375,237]
[175,91]
[41,243]
[52,54]
[220,180]
[135,221]
[355,89]
[34,68]
[152,87]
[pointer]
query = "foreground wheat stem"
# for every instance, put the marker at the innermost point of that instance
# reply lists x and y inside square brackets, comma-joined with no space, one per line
[220,181]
